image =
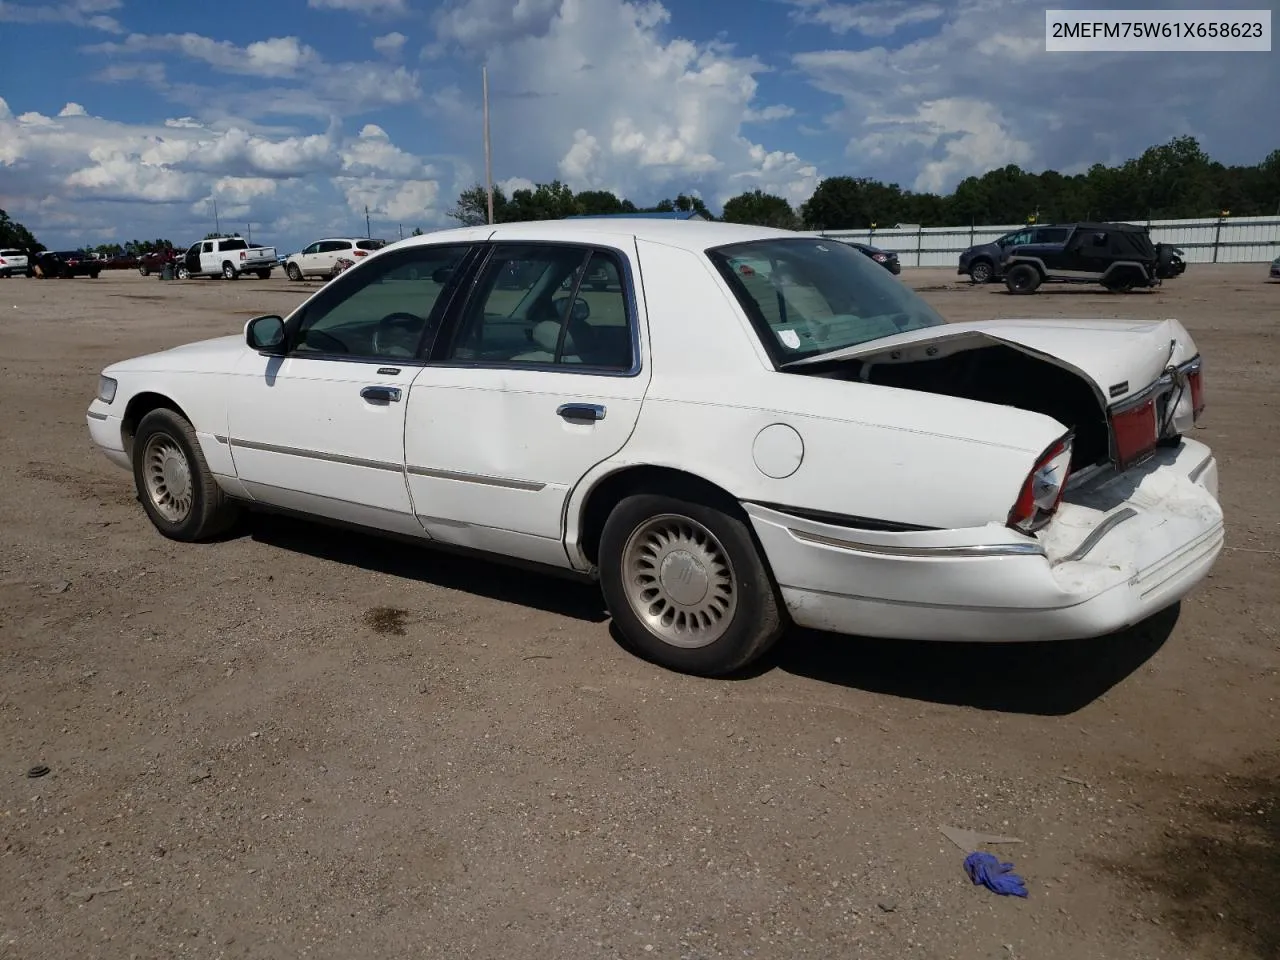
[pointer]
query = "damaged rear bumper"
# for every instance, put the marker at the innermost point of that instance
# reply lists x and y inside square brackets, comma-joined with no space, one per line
[1120,549]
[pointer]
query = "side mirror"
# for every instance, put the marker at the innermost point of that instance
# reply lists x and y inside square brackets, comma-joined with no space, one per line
[441,274]
[265,334]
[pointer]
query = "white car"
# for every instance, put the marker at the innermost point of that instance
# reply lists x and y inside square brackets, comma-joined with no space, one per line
[742,428]
[13,263]
[320,259]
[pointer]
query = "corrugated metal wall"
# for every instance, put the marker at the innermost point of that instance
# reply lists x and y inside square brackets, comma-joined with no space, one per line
[1230,240]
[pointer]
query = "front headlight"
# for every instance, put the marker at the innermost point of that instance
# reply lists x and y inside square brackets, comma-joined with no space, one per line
[106,389]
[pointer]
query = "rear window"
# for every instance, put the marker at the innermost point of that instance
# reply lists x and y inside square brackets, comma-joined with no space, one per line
[236,244]
[12,253]
[807,297]
[371,244]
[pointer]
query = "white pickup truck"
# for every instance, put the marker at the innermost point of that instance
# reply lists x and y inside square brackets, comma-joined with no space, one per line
[227,257]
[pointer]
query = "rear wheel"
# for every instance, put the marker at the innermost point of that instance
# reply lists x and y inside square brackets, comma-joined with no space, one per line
[229,272]
[981,271]
[174,482]
[1022,278]
[93,274]
[146,272]
[686,585]
[1122,281]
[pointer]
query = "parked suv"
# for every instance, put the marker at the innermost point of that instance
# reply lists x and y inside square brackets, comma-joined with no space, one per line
[1120,256]
[982,261]
[320,258]
[13,263]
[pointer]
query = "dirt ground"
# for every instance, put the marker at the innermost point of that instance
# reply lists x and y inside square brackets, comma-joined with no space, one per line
[305,743]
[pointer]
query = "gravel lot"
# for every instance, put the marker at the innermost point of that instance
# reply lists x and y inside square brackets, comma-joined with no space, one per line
[305,743]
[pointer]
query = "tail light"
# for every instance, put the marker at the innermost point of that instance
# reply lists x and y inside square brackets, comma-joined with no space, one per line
[1135,433]
[1195,377]
[244,254]
[879,257]
[1042,490]
[360,253]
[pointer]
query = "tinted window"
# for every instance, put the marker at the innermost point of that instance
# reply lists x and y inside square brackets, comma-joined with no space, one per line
[811,296]
[233,244]
[208,247]
[381,311]
[519,313]
[370,244]
[1052,235]
[333,246]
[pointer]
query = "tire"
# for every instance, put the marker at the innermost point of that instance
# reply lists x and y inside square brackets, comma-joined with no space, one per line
[144,271]
[93,274]
[747,616]
[293,272]
[183,273]
[981,271]
[264,274]
[1122,281]
[229,272]
[174,482]
[1022,278]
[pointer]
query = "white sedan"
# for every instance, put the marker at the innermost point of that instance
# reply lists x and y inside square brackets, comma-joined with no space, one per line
[735,429]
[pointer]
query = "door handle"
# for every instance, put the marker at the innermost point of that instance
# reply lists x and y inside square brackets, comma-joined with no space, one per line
[581,411]
[381,394]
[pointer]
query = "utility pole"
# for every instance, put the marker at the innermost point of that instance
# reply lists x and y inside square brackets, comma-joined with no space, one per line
[368,232]
[249,228]
[488,157]
[217,228]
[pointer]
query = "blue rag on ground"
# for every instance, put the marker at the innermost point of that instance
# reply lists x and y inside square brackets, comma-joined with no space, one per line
[998,877]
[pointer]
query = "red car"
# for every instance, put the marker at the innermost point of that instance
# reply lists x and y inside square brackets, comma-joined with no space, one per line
[155,261]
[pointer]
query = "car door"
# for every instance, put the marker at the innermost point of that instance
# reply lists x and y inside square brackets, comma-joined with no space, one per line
[191,260]
[523,395]
[320,428]
[306,258]
[209,257]
[330,251]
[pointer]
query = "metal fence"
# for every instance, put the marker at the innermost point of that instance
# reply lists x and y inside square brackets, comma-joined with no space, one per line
[1218,240]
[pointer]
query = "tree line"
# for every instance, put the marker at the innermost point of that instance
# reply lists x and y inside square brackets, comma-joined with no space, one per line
[1173,181]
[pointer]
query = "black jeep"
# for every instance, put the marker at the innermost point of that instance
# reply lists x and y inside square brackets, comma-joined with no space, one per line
[1120,256]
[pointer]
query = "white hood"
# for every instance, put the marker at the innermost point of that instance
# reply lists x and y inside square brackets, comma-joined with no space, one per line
[1120,357]
[205,356]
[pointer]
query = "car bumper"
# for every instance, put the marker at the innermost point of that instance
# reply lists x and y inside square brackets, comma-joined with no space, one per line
[104,430]
[1108,561]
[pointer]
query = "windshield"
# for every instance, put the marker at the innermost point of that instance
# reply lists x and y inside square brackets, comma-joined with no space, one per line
[808,296]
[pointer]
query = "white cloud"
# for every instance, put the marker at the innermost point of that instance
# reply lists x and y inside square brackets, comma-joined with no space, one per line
[276,57]
[778,111]
[76,173]
[390,45]
[871,18]
[79,13]
[978,91]
[595,91]
[72,110]
[361,6]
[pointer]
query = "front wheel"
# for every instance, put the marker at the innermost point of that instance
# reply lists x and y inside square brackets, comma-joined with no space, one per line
[184,273]
[93,275]
[980,272]
[145,271]
[174,481]
[293,272]
[264,274]
[686,585]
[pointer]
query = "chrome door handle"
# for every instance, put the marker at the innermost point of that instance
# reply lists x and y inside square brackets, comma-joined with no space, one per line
[580,411]
[381,394]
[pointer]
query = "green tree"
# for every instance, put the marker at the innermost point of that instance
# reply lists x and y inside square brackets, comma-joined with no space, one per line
[472,208]
[761,209]
[15,235]
[602,202]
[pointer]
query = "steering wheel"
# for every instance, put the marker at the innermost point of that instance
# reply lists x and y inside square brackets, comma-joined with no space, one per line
[398,332]
[312,335]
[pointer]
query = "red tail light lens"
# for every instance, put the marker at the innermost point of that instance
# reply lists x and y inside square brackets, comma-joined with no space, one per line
[361,253]
[1135,433]
[1042,491]
[244,255]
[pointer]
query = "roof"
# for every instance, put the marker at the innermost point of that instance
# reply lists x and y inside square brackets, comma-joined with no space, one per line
[654,215]
[695,235]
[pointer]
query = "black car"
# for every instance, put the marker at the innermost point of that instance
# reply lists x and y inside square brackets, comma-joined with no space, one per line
[886,258]
[982,261]
[1119,256]
[63,264]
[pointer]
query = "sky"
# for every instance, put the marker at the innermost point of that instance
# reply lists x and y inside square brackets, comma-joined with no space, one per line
[124,119]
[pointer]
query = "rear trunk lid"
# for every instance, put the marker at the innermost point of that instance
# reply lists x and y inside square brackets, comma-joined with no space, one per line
[1120,358]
